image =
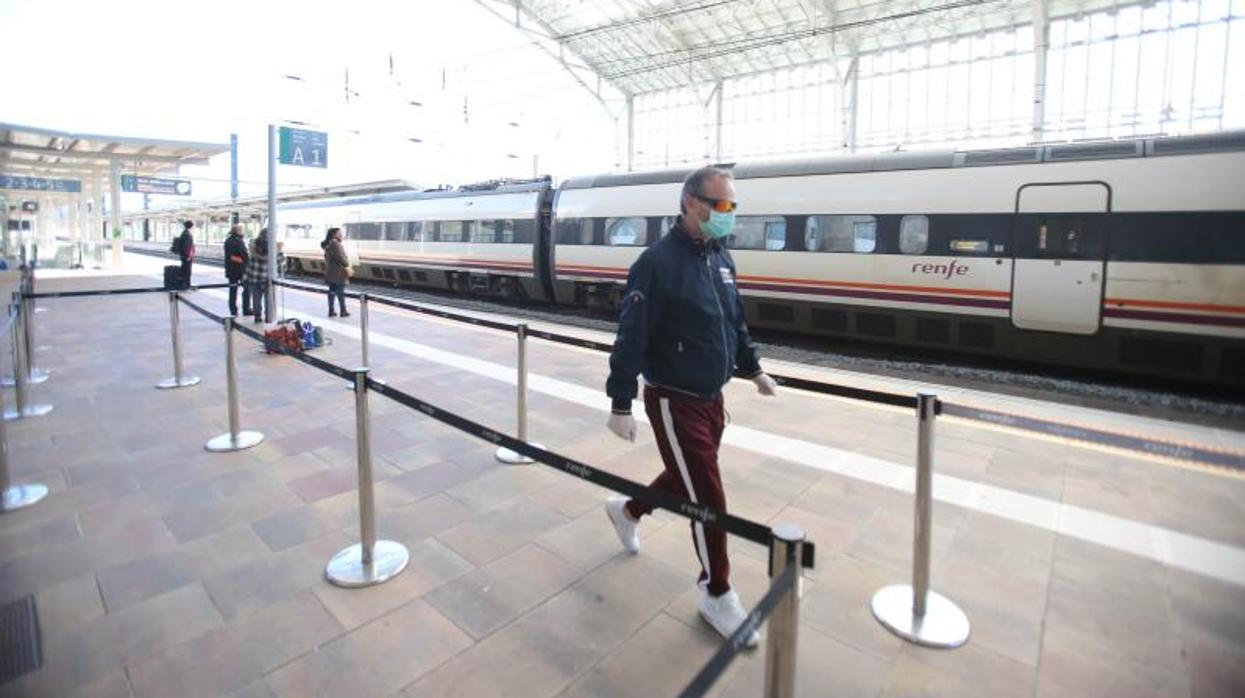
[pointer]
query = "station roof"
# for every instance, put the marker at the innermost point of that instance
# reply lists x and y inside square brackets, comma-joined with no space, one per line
[39,152]
[249,205]
[641,46]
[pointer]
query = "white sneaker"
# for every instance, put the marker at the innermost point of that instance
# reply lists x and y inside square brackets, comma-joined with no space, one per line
[725,613]
[627,530]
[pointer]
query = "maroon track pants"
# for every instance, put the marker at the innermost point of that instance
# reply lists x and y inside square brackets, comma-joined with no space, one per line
[689,431]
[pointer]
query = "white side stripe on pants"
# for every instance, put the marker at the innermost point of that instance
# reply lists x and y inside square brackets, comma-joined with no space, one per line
[698,529]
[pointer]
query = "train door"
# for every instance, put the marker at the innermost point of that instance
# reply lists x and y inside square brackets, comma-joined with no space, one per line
[1059,245]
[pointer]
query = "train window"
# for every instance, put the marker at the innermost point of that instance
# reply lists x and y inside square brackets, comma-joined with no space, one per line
[483,231]
[841,234]
[914,234]
[395,231]
[524,230]
[415,231]
[450,231]
[507,230]
[666,224]
[363,231]
[1061,236]
[625,231]
[758,233]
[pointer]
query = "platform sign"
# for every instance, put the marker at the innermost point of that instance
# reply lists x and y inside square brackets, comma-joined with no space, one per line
[305,148]
[71,186]
[155,185]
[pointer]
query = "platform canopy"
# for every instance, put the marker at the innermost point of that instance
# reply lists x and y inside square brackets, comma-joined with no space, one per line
[30,151]
[249,206]
[641,46]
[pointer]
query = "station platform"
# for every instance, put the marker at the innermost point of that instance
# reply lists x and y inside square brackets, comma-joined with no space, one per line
[159,569]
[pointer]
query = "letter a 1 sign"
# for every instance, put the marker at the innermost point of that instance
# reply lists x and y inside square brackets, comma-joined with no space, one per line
[304,148]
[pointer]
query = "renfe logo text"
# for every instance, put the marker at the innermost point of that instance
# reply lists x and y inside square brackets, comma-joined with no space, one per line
[946,271]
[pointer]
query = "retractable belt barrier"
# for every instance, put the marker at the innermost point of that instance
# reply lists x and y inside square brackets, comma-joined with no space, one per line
[1133,442]
[14,497]
[275,346]
[755,532]
[120,291]
[709,674]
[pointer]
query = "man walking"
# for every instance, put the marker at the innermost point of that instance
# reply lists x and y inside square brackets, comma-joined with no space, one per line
[682,326]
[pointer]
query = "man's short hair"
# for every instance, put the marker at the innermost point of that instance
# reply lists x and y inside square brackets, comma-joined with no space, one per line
[188,224]
[695,182]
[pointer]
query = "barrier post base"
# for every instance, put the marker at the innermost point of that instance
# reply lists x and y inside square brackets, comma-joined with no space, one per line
[185,382]
[346,569]
[28,411]
[509,457]
[37,375]
[943,626]
[228,442]
[21,496]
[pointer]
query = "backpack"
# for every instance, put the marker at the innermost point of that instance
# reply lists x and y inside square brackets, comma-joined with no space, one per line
[176,247]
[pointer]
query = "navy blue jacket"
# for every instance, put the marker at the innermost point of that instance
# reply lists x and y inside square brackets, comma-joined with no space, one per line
[682,322]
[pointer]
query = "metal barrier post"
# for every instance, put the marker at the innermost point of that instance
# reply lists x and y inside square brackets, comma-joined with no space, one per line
[784,623]
[178,380]
[236,439]
[917,613]
[14,496]
[506,455]
[371,561]
[33,375]
[363,328]
[20,374]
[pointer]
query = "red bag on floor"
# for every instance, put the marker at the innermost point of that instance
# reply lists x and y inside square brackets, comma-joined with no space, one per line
[283,336]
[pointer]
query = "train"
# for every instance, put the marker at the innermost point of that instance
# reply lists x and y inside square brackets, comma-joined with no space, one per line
[1125,256]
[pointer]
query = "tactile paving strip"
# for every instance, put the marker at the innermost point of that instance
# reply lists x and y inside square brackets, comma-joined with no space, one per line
[20,641]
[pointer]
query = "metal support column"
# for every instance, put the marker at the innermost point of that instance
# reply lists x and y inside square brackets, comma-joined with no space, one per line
[503,454]
[917,613]
[114,230]
[1041,43]
[369,562]
[273,256]
[630,133]
[235,439]
[851,110]
[178,380]
[787,549]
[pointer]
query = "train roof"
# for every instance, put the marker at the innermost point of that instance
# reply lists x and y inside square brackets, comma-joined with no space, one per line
[474,190]
[938,159]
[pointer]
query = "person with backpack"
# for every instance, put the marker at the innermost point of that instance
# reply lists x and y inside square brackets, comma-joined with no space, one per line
[236,256]
[255,275]
[337,270]
[184,248]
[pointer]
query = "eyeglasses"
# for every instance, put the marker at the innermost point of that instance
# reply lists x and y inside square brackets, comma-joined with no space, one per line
[719,205]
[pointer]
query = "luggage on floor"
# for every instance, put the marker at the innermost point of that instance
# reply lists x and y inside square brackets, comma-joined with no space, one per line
[173,278]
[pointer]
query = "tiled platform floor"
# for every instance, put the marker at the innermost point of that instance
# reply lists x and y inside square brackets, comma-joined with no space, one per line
[163,570]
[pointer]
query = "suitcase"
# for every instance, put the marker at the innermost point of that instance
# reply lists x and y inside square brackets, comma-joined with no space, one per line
[173,278]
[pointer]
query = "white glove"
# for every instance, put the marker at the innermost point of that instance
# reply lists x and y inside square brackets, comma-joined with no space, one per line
[765,385]
[623,426]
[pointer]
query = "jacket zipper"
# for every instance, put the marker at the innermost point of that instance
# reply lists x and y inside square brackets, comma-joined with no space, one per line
[721,314]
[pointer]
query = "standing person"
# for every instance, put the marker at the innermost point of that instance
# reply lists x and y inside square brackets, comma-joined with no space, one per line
[236,256]
[256,275]
[336,269]
[184,246]
[682,326]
